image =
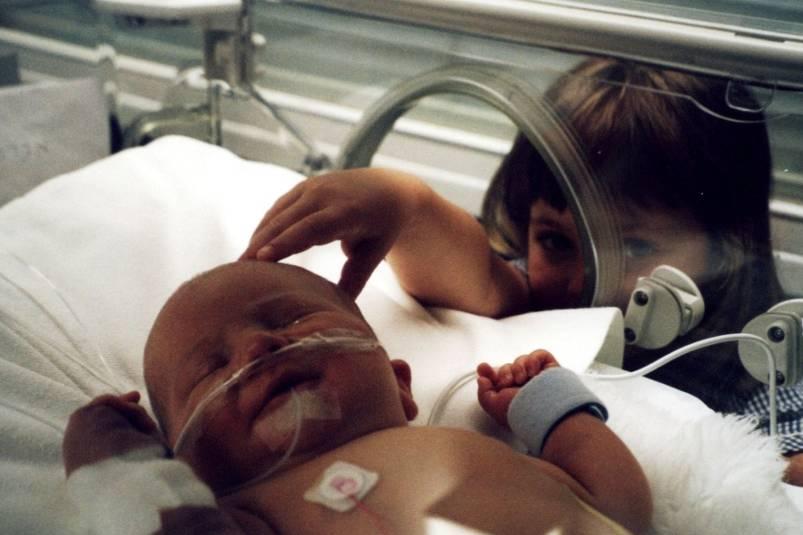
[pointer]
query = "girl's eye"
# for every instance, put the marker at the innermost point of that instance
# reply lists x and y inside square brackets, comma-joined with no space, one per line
[554,242]
[636,248]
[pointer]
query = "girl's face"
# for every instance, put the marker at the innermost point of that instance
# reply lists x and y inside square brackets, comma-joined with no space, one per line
[651,238]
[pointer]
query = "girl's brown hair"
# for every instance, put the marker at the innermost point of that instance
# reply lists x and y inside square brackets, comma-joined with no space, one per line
[664,140]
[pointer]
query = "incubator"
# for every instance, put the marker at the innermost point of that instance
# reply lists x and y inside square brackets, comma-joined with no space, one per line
[650,151]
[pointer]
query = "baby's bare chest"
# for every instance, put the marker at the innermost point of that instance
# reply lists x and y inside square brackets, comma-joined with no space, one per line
[422,478]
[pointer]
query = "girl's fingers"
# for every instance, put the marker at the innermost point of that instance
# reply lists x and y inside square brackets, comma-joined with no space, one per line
[292,215]
[318,228]
[359,266]
[280,205]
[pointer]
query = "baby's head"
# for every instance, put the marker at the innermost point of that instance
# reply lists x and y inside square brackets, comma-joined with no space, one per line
[238,313]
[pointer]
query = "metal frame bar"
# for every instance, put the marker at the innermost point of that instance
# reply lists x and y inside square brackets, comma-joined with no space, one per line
[757,56]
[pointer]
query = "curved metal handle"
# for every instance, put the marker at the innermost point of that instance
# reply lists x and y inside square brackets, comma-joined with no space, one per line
[588,199]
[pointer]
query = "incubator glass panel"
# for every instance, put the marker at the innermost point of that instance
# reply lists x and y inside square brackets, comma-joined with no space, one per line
[701,173]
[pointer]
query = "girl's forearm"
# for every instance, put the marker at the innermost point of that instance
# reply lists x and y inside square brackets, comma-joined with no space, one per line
[443,258]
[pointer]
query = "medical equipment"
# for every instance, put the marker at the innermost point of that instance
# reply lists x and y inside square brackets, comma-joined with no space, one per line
[451,389]
[228,71]
[668,304]
[342,486]
[590,201]
[26,287]
[117,280]
[280,427]
[663,306]
[781,328]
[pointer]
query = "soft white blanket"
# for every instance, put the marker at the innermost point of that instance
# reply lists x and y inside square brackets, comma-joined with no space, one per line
[118,236]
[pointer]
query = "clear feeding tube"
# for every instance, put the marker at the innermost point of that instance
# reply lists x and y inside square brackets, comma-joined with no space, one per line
[36,310]
[288,412]
[44,337]
[451,389]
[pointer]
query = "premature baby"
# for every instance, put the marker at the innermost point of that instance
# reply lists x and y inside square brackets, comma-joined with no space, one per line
[281,413]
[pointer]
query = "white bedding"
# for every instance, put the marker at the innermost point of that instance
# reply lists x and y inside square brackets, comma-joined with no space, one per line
[118,236]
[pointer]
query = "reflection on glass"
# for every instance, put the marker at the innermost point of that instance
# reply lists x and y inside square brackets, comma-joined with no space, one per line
[691,178]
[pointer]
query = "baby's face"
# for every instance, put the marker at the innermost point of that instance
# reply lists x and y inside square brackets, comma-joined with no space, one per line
[238,313]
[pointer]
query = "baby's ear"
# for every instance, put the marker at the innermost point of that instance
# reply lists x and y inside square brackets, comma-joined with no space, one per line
[404,379]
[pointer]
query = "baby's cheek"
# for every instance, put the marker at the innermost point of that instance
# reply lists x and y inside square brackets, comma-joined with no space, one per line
[221,452]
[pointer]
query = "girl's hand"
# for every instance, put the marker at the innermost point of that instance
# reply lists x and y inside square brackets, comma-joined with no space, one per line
[108,426]
[497,388]
[365,209]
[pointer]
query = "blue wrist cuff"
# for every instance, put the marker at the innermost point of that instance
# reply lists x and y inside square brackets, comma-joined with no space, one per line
[544,401]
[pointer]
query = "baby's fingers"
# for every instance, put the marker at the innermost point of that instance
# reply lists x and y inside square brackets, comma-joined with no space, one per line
[128,407]
[536,362]
[504,376]
[488,371]
[519,372]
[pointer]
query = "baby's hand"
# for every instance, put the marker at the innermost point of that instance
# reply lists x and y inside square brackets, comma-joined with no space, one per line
[497,388]
[108,426]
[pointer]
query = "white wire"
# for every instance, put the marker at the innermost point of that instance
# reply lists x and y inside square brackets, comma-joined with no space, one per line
[60,326]
[700,344]
[451,389]
[287,453]
[447,394]
[56,426]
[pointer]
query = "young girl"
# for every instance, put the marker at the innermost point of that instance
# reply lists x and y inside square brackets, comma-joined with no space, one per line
[691,174]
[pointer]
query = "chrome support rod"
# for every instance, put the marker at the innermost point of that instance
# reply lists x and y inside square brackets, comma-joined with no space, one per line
[732,51]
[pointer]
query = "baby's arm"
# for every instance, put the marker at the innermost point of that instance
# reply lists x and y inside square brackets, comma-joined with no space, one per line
[599,466]
[120,479]
[439,252]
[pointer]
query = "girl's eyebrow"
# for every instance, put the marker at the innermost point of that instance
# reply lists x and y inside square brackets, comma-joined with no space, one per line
[547,221]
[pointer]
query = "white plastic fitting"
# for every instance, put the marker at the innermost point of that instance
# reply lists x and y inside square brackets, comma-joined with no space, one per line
[782,328]
[663,306]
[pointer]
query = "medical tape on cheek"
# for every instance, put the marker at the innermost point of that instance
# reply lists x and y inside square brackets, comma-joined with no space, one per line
[313,404]
[277,428]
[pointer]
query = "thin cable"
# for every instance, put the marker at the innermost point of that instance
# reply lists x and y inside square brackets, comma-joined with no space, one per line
[449,392]
[339,339]
[700,344]
[58,427]
[287,453]
[60,326]
[35,341]
[376,519]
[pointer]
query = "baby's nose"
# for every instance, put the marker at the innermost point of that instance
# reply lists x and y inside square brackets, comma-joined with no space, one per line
[259,344]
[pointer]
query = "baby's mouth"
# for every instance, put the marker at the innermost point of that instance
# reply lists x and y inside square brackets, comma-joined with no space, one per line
[280,390]
[297,404]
